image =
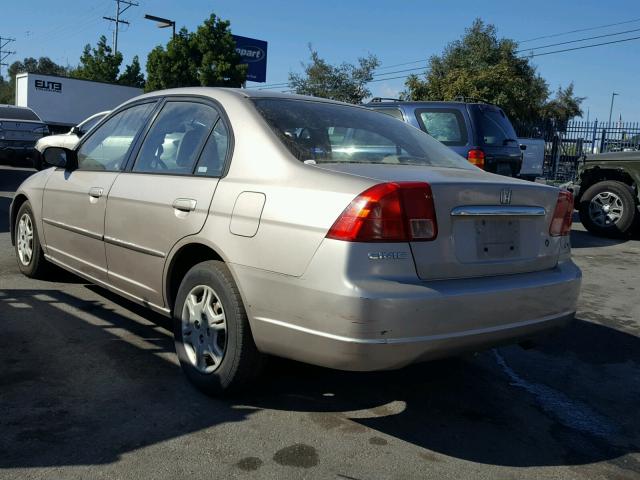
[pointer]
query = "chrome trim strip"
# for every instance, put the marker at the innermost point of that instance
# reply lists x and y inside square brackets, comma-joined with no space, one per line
[498,211]
[133,246]
[421,338]
[71,228]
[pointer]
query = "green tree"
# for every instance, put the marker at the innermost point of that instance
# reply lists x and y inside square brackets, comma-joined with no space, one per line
[98,63]
[345,82]
[482,66]
[6,92]
[206,57]
[564,106]
[132,75]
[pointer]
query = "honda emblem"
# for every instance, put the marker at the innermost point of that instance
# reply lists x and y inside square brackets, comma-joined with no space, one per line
[505,196]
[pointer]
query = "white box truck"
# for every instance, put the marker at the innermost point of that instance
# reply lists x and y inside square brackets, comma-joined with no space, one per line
[63,102]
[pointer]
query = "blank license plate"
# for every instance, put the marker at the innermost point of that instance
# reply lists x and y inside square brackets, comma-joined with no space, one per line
[497,238]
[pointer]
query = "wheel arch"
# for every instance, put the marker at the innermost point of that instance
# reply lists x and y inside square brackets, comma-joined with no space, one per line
[181,260]
[598,174]
[17,202]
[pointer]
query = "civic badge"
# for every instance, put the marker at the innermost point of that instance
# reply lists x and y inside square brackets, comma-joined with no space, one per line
[505,196]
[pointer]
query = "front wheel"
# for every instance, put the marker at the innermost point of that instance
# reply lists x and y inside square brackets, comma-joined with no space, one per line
[608,209]
[29,252]
[213,339]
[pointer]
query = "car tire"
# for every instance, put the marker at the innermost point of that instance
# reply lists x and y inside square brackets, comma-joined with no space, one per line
[608,209]
[208,306]
[28,249]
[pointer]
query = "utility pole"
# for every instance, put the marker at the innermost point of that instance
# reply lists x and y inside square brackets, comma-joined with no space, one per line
[5,53]
[611,108]
[119,10]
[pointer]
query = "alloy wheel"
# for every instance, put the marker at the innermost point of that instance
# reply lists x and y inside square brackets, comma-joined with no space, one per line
[204,329]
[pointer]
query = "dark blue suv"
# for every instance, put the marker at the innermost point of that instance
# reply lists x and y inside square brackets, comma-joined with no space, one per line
[480,132]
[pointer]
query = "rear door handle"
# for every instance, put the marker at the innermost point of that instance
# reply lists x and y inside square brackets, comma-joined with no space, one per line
[95,192]
[184,204]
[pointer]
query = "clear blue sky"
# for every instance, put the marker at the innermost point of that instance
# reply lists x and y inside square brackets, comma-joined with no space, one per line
[342,30]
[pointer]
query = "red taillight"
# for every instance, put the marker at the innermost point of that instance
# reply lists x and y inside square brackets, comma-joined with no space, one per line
[388,212]
[476,157]
[562,215]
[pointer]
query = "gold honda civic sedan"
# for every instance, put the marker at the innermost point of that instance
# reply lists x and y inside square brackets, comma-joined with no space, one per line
[278,224]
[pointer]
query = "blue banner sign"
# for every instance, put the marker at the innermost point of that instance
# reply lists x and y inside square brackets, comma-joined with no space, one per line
[254,54]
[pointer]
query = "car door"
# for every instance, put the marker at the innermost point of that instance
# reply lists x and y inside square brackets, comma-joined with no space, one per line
[164,195]
[74,200]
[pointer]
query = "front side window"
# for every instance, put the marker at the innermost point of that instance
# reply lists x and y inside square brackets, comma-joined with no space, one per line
[445,125]
[322,132]
[89,123]
[108,146]
[176,138]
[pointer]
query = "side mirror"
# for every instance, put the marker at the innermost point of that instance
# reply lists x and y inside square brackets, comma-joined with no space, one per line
[76,131]
[523,147]
[59,157]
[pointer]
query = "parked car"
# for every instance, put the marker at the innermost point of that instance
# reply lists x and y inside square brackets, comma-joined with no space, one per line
[65,140]
[480,132]
[258,236]
[607,196]
[20,128]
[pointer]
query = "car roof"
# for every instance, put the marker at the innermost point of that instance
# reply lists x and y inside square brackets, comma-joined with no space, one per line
[423,103]
[238,92]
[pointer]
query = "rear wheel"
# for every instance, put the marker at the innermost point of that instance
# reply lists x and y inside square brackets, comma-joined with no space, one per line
[608,208]
[29,252]
[212,336]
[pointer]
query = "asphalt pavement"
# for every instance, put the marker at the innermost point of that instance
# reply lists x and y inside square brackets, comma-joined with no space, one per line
[90,388]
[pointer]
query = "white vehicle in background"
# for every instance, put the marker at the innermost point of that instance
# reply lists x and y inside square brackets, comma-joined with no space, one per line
[532,157]
[65,140]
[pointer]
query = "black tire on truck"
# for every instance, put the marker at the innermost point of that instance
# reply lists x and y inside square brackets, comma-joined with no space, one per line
[608,209]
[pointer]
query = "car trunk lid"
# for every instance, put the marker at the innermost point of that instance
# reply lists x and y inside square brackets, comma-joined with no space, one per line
[487,224]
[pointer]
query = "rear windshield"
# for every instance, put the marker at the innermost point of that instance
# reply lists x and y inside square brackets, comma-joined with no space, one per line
[495,127]
[12,113]
[319,132]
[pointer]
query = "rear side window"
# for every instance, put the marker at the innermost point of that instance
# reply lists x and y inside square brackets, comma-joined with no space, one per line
[213,155]
[14,113]
[394,112]
[494,126]
[444,124]
[322,132]
[176,138]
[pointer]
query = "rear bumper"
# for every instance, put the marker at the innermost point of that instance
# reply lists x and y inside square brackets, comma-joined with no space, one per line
[378,324]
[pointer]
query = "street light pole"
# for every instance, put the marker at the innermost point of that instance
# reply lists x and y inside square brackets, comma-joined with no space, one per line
[613,95]
[163,23]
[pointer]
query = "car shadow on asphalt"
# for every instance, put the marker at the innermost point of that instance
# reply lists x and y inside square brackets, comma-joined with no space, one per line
[100,380]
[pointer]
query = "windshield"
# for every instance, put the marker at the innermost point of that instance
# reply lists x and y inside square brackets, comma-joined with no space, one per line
[318,132]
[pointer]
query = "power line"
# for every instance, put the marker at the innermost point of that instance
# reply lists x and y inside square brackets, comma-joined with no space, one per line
[578,40]
[584,46]
[579,30]
[128,4]
[275,86]
[4,54]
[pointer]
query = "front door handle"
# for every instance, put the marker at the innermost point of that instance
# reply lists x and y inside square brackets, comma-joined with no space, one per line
[184,204]
[95,192]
